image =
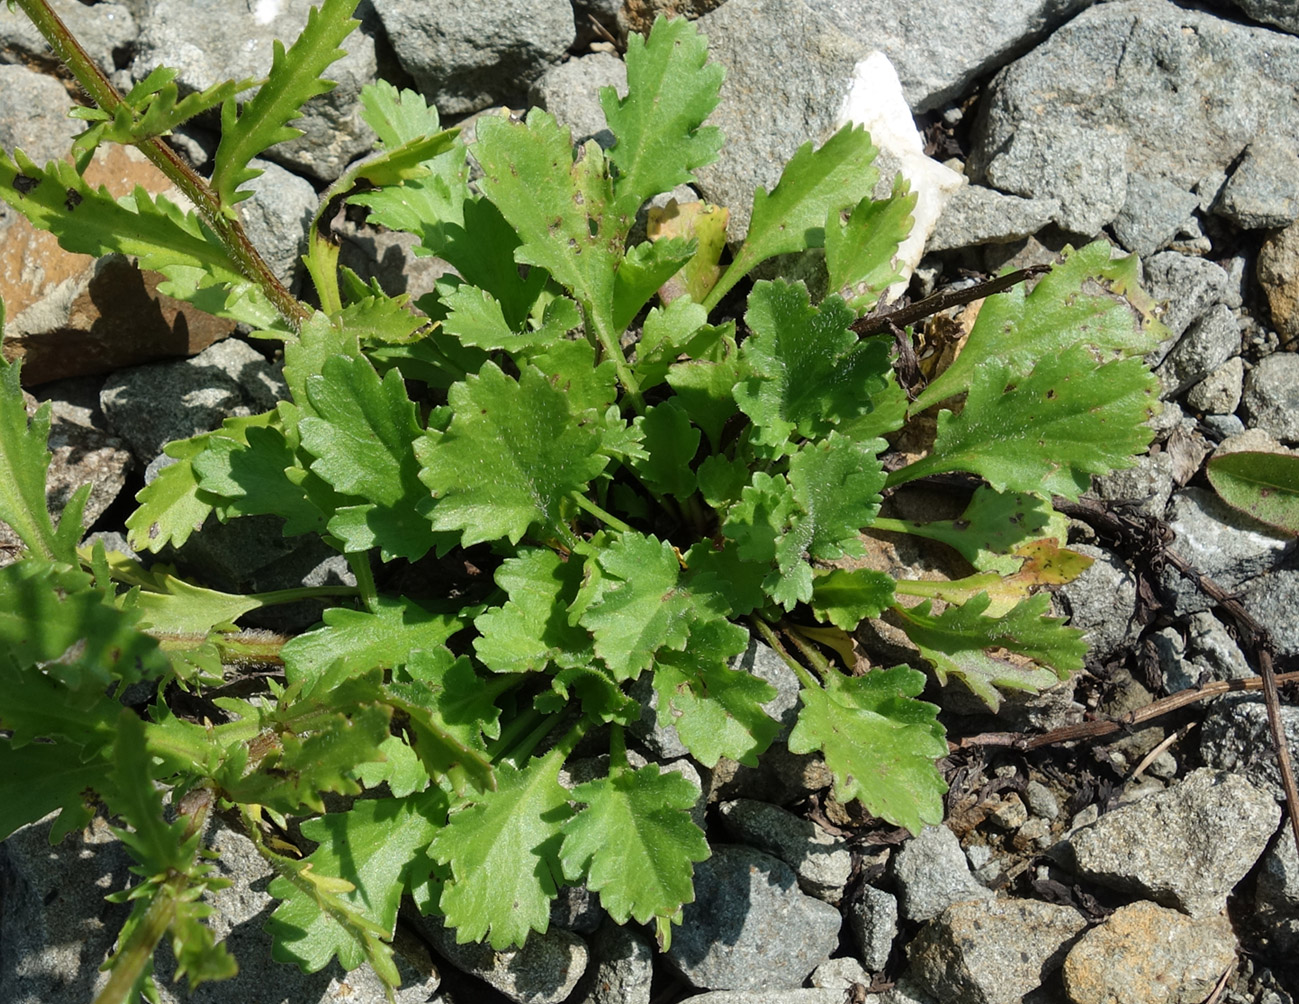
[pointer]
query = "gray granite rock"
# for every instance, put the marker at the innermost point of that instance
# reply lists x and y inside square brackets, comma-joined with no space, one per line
[815,995]
[100,28]
[1154,213]
[35,116]
[1219,542]
[1276,894]
[621,968]
[1213,645]
[1168,846]
[1273,599]
[149,406]
[55,928]
[576,908]
[544,971]
[767,112]
[469,55]
[277,217]
[1222,426]
[1042,801]
[907,991]
[1208,342]
[932,873]
[821,861]
[978,215]
[941,48]
[1235,737]
[571,93]
[1134,86]
[749,927]
[842,974]
[1102,602]
[1188,287]
[873,921]
[1263,190]
[992,951]
[1271,397]
[1146,954]
[1148,485]
[1219,393]
[213,40]
[1279,13]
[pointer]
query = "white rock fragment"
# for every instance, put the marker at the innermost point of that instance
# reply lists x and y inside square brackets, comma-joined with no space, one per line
[875,102]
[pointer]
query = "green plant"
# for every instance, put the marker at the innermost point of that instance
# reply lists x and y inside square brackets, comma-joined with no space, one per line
[641,484]
[1264,485]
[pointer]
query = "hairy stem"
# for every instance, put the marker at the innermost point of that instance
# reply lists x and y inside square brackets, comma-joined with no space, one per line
[608,340]
[227,228]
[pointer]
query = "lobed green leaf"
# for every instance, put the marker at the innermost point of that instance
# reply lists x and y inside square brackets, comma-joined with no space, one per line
[671,89]
[1090,299]
[512,455]
[635,844]
[374,846]
[361,436]
[294,79]
[956,643]
[504,855]
[1049,431]
[879,742]
[814,186]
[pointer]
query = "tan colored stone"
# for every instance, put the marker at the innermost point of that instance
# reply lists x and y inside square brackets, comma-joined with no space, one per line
[72,315]
[1278,274]
[1147,954]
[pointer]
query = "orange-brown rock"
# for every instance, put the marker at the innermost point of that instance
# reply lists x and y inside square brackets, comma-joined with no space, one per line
[72,315]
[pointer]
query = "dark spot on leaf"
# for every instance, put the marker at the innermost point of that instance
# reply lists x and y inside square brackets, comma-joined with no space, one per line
[1050,394]
[23,184]
[153,531]
[960,524]
[578,199]
[73,200]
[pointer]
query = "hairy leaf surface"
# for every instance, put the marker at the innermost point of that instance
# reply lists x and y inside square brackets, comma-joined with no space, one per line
[374,846]
[513,453]
[361,436]
[1077,302]
[1049,431]
[531,631]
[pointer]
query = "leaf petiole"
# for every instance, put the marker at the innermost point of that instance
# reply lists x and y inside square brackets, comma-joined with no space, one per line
[608,518]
